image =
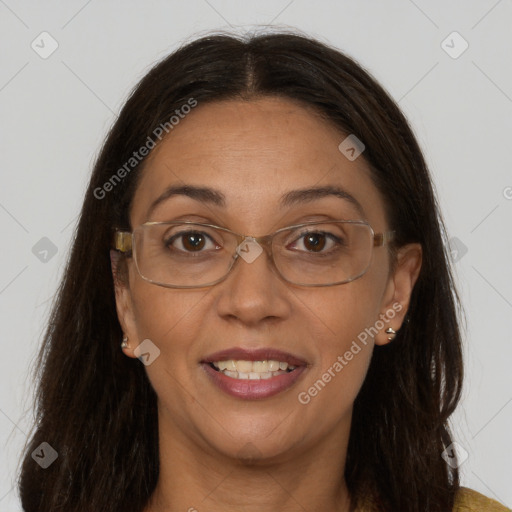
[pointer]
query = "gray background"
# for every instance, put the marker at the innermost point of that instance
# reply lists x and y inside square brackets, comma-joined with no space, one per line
[55,112]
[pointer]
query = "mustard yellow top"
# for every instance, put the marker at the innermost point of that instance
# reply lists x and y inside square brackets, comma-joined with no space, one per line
[466,500]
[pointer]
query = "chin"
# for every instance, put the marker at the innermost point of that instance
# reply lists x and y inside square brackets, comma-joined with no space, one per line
[253,443]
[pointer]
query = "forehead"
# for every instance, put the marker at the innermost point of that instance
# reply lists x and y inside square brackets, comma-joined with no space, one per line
[254,152]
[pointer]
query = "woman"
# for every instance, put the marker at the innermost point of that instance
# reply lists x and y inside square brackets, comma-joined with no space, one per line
[261,233]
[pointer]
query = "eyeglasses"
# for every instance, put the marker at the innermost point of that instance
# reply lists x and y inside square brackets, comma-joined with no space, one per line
[195,255]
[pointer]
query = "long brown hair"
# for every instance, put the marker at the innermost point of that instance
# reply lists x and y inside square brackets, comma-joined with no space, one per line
[96,407]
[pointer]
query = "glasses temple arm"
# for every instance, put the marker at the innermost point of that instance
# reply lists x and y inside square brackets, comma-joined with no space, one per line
[122,241]
[382,239]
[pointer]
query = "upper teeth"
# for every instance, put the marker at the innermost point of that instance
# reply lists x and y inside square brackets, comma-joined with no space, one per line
[252,366]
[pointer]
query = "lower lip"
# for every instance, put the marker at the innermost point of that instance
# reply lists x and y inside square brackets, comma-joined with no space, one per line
[253,389]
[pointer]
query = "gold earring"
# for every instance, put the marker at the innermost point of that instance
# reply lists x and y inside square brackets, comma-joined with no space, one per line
[392,332]
[124,343]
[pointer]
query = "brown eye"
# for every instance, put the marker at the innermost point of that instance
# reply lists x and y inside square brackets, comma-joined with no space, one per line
[314,242]
[193,241]
[190,242]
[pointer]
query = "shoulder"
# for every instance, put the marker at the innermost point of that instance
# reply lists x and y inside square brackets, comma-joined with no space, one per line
[468,500]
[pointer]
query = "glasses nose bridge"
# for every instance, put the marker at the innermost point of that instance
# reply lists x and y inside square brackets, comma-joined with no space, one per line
[264,241]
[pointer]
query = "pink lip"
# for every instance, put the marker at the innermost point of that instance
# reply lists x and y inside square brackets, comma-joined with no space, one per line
[254,389]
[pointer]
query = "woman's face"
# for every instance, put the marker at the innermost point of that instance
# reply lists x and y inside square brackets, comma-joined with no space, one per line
[253,153]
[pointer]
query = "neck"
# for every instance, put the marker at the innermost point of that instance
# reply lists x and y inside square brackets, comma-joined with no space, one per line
[195,478]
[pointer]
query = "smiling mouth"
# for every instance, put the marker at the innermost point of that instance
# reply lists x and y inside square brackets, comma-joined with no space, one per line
[252,370]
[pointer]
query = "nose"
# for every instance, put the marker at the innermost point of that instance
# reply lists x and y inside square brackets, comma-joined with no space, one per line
[253,292]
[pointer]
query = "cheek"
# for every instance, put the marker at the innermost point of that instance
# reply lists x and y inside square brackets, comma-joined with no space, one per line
[338,315]
[170,318]
[327,396]
[340,327]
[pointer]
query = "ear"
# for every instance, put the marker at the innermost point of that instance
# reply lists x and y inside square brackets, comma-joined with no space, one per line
[398,291]
[124,304]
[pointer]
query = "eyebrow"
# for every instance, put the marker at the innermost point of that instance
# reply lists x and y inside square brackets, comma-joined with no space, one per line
[202,194]
[293,197]
[311,194]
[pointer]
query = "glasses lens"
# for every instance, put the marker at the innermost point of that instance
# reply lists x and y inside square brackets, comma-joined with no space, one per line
[183,254]
[323,253]
[194,255]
